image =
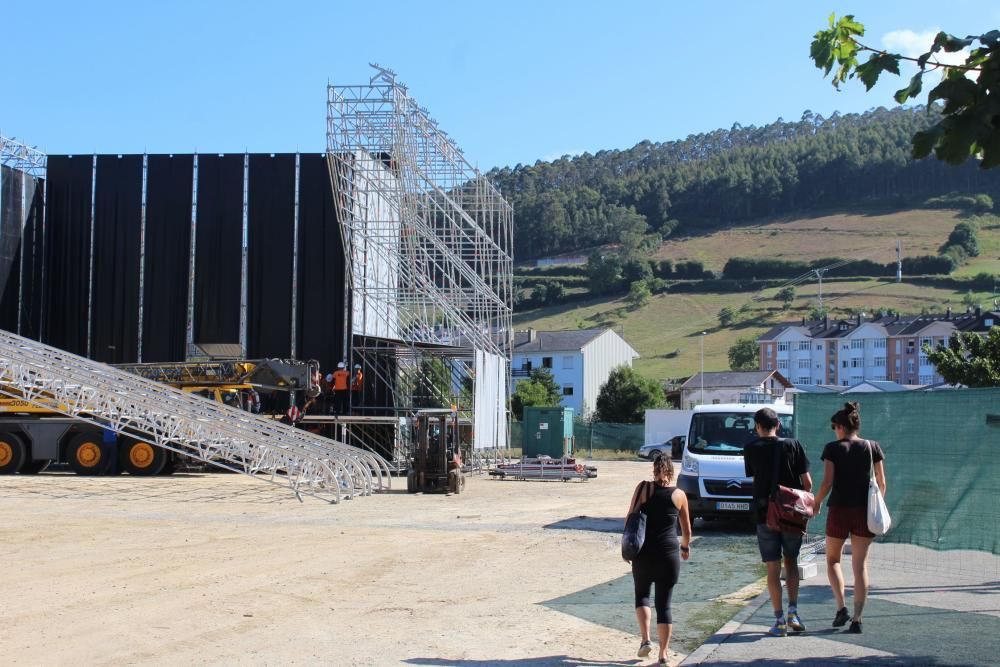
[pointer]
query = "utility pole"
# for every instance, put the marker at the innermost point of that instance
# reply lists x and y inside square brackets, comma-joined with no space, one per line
[701,339]
[899,261]
[819,274]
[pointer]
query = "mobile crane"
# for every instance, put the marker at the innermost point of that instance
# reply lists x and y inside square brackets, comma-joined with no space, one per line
[33,436]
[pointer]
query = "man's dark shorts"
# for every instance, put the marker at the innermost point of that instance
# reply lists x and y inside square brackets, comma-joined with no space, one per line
[773,543]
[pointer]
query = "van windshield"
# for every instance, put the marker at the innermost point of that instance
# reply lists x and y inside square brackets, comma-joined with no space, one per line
[727,432]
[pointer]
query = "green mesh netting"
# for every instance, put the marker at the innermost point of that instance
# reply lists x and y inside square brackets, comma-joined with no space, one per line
[602,436]
[597,437]
[942,465]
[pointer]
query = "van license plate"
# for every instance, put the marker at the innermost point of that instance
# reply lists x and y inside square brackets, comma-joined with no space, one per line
[736,507]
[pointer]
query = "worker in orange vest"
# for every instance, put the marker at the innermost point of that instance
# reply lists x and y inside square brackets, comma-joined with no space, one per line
[357,382]
[341,396]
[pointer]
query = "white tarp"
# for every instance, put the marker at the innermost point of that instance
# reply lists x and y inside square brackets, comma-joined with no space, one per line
[375,249]
[490,418]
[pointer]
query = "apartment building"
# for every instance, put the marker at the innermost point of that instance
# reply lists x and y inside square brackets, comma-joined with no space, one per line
[850,351]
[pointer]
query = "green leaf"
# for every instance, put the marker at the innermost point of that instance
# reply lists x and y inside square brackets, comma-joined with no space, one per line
[957,139]
[990,151]
[912,90]
[991,39]
[923,142]
[953,44]
[958,92]
[877,63]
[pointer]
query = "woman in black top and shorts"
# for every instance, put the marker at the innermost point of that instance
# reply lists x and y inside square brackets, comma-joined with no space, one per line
[847,462]
[659,560]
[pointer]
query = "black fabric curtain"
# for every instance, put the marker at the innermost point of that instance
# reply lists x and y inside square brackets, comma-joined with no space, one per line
[167,257]
[67,252]
[218,249]
[31,269]
[117,229]
[320,306]
[11,223]
[270,239]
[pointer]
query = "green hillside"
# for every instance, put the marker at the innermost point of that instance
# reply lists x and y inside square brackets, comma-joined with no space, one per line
[667,330]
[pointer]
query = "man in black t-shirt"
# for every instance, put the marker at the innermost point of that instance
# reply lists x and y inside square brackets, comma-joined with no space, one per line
[793,472]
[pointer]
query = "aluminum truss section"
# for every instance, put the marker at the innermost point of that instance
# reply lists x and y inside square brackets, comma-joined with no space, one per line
[199,428]
[21,157]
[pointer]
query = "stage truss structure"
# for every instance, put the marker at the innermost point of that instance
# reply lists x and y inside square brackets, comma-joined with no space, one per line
[22,157]
[428,241]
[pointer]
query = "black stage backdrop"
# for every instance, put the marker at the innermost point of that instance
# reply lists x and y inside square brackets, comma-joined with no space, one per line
[218,249]
[32,259]
[11,215]
[322,272]
[168,256]
[117,229]
[270,238]
[67,252]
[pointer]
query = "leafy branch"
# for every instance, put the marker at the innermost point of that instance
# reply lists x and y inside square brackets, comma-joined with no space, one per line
[970,116]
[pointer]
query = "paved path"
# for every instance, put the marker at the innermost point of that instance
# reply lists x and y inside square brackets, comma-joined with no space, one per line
[917,614]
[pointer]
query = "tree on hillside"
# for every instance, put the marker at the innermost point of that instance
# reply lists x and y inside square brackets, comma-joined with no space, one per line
[969,359]
[744,355]
[786,296]
[626,396]
[638,294]
[726,316]
[970,119]
[540,389]
[604,273]
[964,236]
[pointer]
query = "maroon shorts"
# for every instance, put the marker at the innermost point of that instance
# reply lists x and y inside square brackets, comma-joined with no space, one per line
[844,521]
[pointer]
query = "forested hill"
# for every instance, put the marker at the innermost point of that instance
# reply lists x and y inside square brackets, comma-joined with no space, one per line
[652,190]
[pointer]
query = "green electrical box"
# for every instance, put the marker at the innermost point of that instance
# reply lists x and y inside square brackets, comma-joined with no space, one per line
[548,431]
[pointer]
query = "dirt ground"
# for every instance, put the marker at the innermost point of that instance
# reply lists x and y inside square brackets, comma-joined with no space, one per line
[224,569]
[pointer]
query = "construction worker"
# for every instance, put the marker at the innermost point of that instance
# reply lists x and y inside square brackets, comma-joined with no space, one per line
[357,382]
[341,387]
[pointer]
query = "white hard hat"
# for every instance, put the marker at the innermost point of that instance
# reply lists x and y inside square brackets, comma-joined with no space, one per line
[340,364]
[357,365]
[329,377]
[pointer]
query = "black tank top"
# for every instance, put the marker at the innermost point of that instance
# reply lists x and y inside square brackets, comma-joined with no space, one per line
[661,521]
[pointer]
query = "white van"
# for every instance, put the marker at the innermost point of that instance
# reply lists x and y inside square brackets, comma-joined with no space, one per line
[712,471]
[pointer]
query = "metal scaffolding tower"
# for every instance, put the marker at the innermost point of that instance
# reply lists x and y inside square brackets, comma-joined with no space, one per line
[22,157]
[428,242]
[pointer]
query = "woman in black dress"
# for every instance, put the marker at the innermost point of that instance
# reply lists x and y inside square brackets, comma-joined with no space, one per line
[848,463]
[659,560]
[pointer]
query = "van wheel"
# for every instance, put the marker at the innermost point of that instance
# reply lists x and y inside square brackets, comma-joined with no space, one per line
[88,455]
[142,458]
[13,453]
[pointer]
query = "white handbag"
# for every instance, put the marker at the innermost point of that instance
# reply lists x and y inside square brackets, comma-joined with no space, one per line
[879,521]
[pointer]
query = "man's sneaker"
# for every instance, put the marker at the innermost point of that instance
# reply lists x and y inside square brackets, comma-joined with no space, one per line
[795,623]
[841,618]
[855,627]
[645,649]
[779,629]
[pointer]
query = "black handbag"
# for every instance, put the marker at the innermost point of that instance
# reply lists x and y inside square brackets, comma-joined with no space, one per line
[635,533]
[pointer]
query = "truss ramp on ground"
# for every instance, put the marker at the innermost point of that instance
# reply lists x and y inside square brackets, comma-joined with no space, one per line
[202,429]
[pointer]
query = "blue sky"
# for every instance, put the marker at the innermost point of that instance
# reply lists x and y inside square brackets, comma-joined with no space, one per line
[511,82]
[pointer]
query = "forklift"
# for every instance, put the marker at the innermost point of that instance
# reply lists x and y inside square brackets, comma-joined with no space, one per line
[436,461]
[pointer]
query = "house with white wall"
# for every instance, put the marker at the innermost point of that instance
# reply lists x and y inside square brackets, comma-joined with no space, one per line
[714,387]
[580,361]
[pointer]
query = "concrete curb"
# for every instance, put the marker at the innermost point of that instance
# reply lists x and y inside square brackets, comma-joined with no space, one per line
[703,652]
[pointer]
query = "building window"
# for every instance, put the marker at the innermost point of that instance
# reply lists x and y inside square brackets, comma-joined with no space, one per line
[878,378]
[819,348]
[804,346]
[845,346]
[843,363]
[567,390]
[770,366]
[988,322]
[567,363]
[546,362]
[857,343]
[909,365]
[715,401]
[911,345]
[926,379]
[770,350]
[782,347]
[923,360]
[879,362]
[857,363]
[803,363]
[804,380]
[782,363]
[899,347]
[856,379]
[925,341]
[879,343]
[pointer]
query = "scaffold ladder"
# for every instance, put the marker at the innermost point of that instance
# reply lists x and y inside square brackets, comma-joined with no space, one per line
[196,427]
